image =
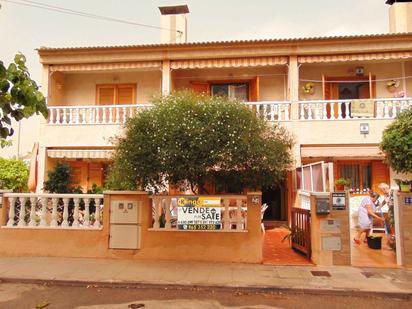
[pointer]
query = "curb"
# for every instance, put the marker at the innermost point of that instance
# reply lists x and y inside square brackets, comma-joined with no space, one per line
[206,287]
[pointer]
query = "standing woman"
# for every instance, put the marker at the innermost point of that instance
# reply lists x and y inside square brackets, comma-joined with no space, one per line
[366,215]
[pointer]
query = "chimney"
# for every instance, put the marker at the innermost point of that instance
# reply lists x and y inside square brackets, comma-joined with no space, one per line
[174,23]
[400,16]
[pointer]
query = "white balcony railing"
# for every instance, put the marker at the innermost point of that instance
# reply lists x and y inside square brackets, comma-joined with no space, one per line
[93,114]
[118,114]
[271,110]
[71,211]
[385,108]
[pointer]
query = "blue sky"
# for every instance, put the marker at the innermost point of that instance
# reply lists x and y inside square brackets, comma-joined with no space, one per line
[25,29]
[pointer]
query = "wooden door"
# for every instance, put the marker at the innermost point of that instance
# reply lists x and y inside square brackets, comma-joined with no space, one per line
[380,173]
[95,174]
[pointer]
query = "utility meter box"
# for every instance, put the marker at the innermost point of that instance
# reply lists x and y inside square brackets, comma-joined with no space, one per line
[125,224]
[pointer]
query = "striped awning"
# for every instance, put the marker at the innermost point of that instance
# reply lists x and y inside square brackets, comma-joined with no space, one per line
[228,63]
[350,151]
[81,67]
[355,57]
[105,154]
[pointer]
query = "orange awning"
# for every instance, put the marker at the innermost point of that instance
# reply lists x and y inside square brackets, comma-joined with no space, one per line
[355,57]
[81,67]
[104,154]
[349,151]
[32,182]
[228,63]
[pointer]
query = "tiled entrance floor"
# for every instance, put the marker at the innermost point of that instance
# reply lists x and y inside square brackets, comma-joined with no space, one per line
[276,252]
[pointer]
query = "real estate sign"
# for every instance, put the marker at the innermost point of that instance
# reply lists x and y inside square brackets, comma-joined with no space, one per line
[199,213]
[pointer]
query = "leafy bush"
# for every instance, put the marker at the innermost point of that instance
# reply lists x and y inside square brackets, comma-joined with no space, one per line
[14,175]
[397,143]
[189,139]
[59,179]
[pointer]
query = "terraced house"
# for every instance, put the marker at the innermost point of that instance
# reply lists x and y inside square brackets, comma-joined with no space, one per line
[335,94]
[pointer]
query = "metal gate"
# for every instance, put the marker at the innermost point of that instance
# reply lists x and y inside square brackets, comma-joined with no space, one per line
[301,231]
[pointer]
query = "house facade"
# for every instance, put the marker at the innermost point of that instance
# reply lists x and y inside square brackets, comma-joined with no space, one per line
[335,95]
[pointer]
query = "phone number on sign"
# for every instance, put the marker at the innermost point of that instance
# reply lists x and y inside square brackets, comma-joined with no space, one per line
[199,227]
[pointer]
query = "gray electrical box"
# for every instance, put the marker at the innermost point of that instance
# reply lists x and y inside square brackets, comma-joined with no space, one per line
[125,224]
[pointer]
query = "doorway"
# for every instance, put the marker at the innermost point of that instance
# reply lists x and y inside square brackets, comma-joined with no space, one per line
[274,198]
[277,249]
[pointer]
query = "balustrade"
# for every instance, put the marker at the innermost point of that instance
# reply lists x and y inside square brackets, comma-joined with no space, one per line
[384,108]
[93,114]
[54,210]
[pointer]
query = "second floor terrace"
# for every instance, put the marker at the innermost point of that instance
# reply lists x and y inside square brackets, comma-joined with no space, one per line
[361,79]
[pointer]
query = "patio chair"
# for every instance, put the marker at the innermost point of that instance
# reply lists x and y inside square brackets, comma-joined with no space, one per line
[262,212]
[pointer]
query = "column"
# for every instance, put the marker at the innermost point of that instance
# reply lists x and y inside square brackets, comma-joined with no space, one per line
[166,77]
[293,86]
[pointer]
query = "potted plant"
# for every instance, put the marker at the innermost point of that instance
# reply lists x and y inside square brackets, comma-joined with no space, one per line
[404,185]
[341,183]
[392,85]
[308,88]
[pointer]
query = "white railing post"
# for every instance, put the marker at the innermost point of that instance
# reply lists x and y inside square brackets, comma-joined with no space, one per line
[76,212]
[53,222]
[12,212]
[65,222]
[43,221]
[110,114]
[86,221]
[33,202]
[70,115]
[117,120]
[124,115]
[22,215]
[51,116]
[287,111]
[104,115]
[302,111]
[97,213]
[347,110]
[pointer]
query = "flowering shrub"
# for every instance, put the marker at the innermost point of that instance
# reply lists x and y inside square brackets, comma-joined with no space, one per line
[397,143]
[189,140]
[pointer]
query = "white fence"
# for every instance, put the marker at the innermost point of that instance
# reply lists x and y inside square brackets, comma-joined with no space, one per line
[341,109]
[233,212]
[73,211]
[93,114]
[271,110]
[118,114]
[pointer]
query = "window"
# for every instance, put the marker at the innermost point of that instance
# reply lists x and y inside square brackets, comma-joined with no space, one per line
[313,177]
[359,173]
[238,91]
[116,94]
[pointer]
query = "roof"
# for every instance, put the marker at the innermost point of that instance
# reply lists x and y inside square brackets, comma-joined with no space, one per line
[174,9]
[233,42]
[390,2]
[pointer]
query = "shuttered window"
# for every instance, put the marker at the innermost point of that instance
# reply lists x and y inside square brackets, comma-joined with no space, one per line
[116,94]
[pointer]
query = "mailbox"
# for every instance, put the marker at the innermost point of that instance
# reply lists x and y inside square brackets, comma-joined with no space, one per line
[125,224]
[322,205]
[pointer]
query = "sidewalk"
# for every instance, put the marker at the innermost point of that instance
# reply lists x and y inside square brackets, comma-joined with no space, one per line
[79,271]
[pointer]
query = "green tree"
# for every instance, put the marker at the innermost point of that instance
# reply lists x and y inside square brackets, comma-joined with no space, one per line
[19,95]
[14,175]
[397,143]
[59,179]
[188,140]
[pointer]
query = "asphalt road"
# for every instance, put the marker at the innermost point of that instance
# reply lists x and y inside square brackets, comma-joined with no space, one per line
[22,296]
